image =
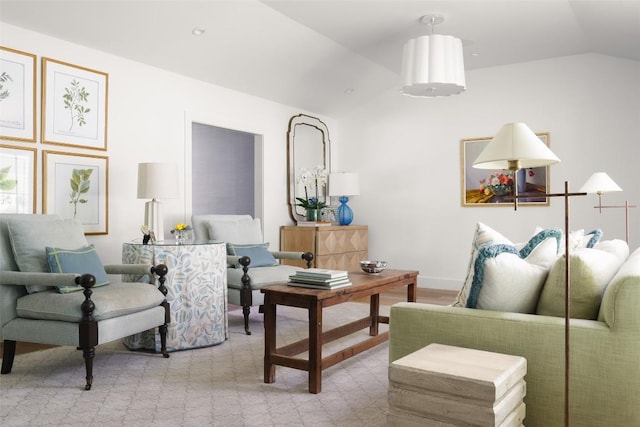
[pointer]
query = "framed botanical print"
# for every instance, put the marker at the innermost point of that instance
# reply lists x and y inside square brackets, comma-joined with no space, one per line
[485,187]
[76,186]
[17,179]
[74,105]
[17,95]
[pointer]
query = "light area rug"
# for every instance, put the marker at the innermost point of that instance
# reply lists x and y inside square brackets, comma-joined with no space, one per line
[214,386]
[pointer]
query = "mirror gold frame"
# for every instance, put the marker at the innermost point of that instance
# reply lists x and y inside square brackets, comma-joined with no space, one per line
[308,146]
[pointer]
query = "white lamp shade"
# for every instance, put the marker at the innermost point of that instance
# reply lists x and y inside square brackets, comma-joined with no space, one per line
[599,183]
[515,142]
[433,65]
[344,184]
[157,181]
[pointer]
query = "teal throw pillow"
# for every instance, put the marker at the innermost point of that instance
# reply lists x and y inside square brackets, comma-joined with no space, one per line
[259,254]
[80,261]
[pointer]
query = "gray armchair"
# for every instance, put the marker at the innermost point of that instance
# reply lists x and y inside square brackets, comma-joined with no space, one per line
[67,307]
[250,265]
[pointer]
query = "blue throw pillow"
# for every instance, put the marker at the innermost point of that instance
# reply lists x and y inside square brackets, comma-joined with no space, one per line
[80,261]
[259,254]
[596,235]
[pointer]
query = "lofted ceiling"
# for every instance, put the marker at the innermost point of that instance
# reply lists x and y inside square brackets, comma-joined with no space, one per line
[320,55]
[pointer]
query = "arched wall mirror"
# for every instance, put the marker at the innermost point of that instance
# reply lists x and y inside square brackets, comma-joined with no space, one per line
[308,146]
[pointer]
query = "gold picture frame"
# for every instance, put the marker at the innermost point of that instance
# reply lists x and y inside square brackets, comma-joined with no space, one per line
[18,95]
[76,186]
[492,188]
[17,179]
[74,105]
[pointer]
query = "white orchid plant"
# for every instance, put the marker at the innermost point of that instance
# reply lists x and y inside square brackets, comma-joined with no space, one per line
[312,180]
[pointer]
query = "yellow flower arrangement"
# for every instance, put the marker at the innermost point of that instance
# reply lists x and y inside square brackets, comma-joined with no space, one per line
[181,227]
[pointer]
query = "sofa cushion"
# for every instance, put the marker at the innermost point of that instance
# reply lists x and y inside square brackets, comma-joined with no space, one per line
[81,261]
[246,231]
[30,238]
[259,254]
[591,271]
[113,300]
[504,276]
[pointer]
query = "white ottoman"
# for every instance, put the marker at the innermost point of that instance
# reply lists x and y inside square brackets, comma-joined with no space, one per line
[441,385]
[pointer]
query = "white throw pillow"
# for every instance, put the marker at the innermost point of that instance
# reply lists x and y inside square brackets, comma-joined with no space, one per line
[591,272]
[502,276]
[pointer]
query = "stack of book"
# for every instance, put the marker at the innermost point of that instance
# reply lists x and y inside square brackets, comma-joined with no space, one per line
[320,278]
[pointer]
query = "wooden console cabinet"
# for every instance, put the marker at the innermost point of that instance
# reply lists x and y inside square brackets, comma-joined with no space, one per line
[335,247]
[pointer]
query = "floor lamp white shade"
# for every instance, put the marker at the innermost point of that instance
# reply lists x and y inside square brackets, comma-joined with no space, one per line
[600,183]
[515,143]
[156,181]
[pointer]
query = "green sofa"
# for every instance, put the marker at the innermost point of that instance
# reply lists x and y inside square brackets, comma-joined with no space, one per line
[604,353]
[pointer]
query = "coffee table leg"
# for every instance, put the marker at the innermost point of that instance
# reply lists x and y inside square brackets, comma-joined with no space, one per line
[374,312]
[411,292]
[269,340]
[315,347]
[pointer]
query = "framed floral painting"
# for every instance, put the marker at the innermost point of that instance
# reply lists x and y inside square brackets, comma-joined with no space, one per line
[17,95]
[75,186]
[485,187]
[74,105]
[17,179]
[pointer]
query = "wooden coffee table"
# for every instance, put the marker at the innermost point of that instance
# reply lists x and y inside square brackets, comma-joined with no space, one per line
[314,300]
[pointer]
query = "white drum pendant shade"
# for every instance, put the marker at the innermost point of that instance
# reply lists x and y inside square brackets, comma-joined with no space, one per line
[433,65]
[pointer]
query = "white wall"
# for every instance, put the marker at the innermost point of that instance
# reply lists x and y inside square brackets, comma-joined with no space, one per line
[147,110]
[407,152]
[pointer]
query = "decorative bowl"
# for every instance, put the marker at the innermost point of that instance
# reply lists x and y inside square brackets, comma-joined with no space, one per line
[373,266]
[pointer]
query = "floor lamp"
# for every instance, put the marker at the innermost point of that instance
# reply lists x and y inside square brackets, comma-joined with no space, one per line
[515,147]
[601,183]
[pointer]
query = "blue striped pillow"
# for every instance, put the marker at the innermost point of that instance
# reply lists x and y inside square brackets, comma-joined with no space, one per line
[83,260]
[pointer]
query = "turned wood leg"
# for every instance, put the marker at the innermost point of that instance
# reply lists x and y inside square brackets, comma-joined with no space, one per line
[89,354]
[246,309]
[8,353]
[246,299]
[163,329]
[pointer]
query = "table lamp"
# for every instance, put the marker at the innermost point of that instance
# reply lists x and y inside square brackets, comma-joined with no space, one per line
[515,146]
[343,185]
[601,183]
[156,181]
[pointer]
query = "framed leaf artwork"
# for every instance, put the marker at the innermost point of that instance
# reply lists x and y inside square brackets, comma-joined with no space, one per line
[74,105]
[17,95]
[76,186]
[17,179]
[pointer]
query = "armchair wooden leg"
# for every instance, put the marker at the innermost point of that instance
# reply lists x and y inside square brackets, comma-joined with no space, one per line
[89,354]
[246,299]
[246,309]
[163,329]
[8,354]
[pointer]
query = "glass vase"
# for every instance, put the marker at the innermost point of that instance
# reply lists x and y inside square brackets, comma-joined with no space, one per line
[181,237]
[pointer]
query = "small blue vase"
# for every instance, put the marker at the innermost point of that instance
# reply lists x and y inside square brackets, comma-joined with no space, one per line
[345,213]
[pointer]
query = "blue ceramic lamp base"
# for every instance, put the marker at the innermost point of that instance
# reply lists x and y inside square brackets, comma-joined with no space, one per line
[345,213]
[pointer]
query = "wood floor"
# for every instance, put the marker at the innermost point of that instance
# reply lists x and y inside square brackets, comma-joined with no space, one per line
[430,296]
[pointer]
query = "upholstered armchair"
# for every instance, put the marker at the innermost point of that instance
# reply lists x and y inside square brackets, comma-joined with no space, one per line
[54,290]
[250,264]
